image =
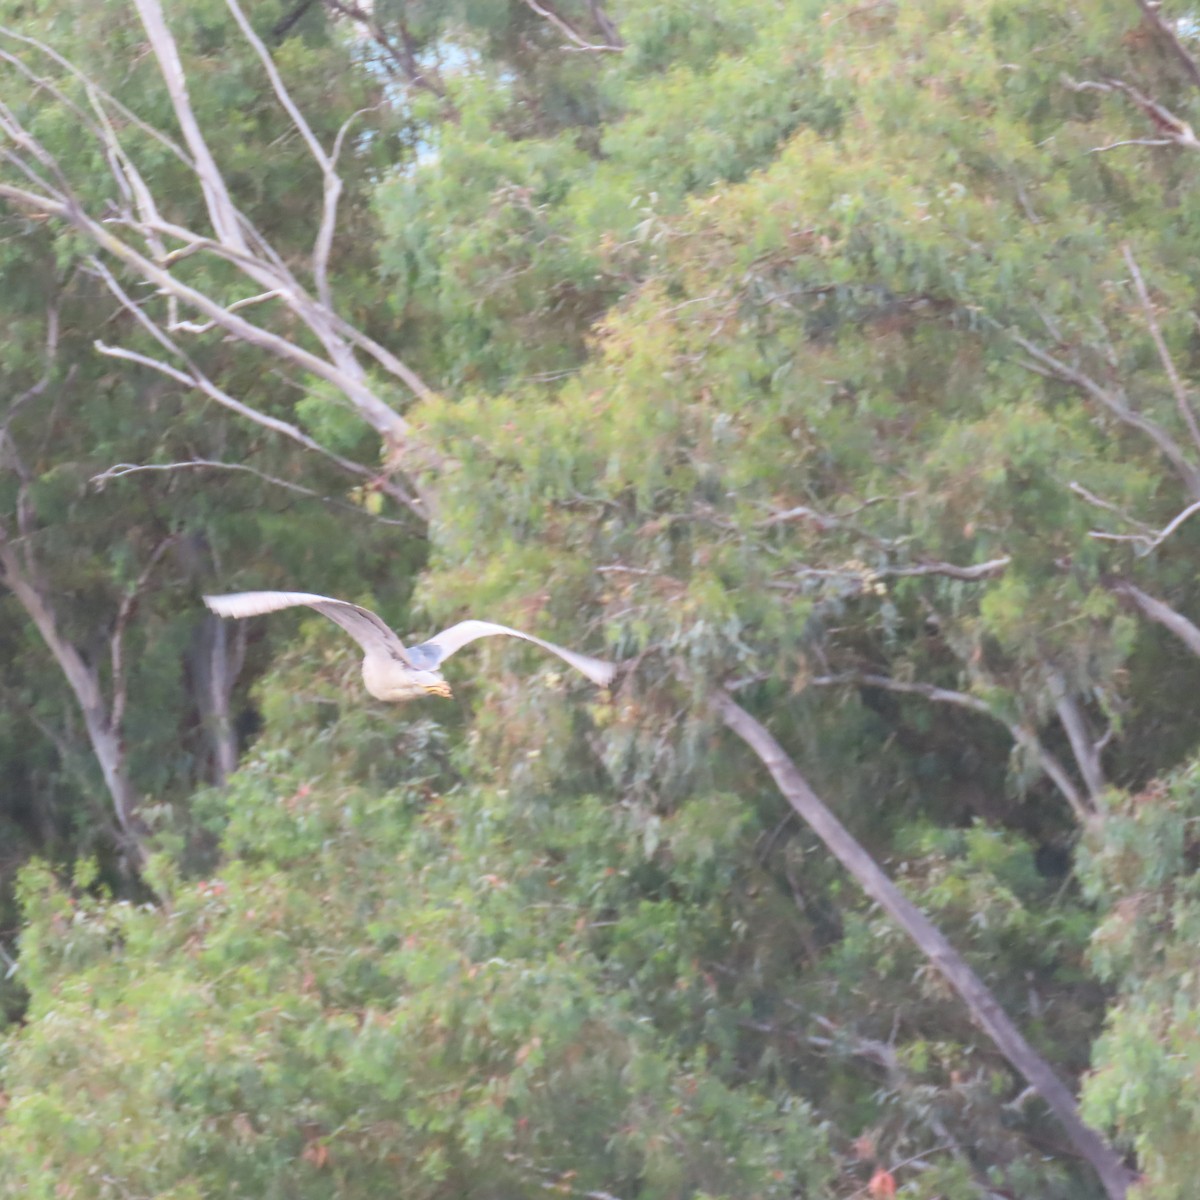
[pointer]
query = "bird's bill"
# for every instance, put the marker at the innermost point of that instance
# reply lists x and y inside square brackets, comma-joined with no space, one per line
[441,688]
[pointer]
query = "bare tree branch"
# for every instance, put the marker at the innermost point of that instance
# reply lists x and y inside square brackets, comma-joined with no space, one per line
[384,419]
[120,470]
[44,379]
[982,1004]
[221,210]
[332,181]
[1174,130]
[569,31]
[214,666]
[867,575]
[1108,506]
[1150,540]
[1131,142]
[1047,364]
[1161,613]
[93,88]
[235,239]
[196,378]
[246,302]
[21,578]
[1084,747]
[801,512]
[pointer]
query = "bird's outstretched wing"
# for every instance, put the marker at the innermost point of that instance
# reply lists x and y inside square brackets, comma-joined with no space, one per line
[368,630]
[431,654]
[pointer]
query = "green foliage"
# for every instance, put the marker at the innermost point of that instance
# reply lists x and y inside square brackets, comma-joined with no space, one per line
[1143,871]
[735,337]
[386,987]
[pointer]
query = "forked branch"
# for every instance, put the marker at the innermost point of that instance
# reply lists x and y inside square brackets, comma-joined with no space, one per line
[1024,737]
[149,246]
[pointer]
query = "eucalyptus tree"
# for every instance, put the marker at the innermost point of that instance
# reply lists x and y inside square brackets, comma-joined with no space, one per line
[132,459]
[824,358]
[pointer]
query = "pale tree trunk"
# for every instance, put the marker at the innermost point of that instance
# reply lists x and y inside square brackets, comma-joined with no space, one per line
[985,1010]
[215,661]
[100,718]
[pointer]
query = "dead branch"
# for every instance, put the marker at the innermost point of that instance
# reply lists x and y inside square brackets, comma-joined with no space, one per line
[43,381]
[569,31]
[207,326]
[1173,130]
[1108,506]
[375,411]
[332,181]
[213,668]
[196,378]
[866,575]
[235,240]
[821,520]
[985,1010]
[221,210]
[1045,363]
[1131,142]
[20,575]
[983,570]
[1150,540]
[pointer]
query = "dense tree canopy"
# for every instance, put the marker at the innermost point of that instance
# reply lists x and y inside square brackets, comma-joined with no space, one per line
[837,359]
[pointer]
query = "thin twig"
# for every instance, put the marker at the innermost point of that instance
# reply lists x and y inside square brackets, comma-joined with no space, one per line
[1045,363]
[1108,506]
[569,31]
[868,574]
[332,181]
[120,470]
[245,302]
[1151,540]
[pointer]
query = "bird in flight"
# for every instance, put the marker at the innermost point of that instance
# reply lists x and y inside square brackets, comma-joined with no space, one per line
[391,670]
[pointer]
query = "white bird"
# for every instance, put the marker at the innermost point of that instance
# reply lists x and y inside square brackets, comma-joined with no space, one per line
[391,670]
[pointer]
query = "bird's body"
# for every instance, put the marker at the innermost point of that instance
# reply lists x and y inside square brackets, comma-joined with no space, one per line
[392,671]
[387,679]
